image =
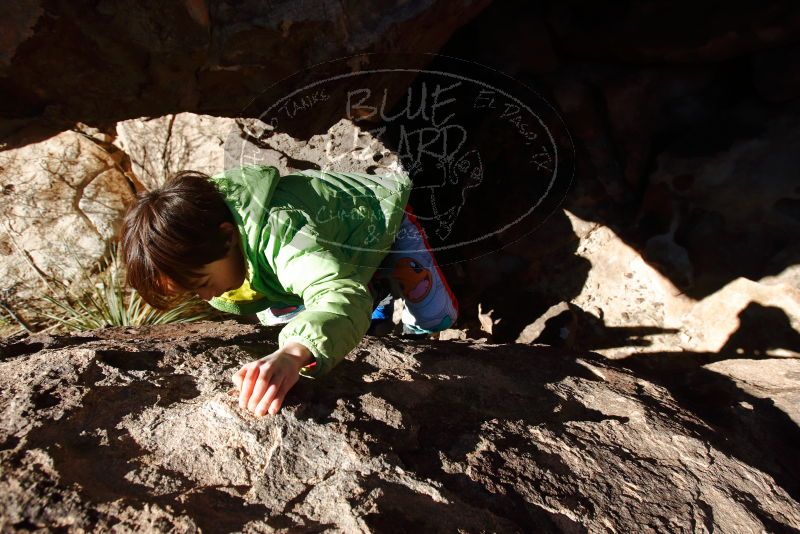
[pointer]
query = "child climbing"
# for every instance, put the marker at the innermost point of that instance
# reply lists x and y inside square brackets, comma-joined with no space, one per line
[322,252]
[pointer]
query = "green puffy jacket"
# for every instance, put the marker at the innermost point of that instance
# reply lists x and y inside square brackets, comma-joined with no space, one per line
[313,238]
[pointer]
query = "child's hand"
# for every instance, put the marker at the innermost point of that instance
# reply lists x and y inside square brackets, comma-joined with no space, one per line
[265,382]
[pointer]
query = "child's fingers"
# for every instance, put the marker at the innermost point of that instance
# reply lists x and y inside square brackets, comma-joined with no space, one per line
[238,376]
[273,390]
[276,405]
[277,402]
[248,383]
[261,387]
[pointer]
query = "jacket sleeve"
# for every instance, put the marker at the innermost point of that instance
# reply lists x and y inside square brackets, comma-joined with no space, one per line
[338,306]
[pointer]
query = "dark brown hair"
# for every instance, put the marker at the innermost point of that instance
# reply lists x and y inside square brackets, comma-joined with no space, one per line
[169,233]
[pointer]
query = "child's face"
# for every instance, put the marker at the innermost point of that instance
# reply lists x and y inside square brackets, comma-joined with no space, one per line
[224,274]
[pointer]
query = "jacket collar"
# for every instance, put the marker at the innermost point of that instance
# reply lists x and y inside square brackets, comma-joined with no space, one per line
[247,191]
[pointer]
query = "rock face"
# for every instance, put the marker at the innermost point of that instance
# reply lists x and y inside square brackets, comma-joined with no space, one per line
[674,257]
[159,147]
[111,61]
[61,203]
[626,305]
[138,430]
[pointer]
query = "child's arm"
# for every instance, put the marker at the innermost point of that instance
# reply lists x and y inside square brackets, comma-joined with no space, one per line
[338,306]
[336,317]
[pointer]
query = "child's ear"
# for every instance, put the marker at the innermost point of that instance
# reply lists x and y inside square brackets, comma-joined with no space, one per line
[229,229]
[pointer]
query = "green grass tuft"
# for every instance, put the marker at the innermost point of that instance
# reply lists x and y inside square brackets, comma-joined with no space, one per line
[110,303]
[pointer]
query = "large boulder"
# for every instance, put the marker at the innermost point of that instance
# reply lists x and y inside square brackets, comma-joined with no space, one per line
[160,146]
[625,305]
[61,204]
[103,62]
[140,429]
[730,198]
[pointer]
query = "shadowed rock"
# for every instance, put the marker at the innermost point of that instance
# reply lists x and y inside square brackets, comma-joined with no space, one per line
[141,429]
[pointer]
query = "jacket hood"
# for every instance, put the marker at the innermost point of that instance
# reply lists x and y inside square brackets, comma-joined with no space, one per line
[247,191]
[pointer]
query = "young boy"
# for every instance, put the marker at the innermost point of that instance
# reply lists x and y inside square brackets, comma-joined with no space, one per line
[316,250]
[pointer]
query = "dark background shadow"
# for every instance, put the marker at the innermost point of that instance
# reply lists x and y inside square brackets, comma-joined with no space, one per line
[633,93]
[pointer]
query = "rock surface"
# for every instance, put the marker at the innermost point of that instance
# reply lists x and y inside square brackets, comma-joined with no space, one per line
[137,429]
[625,305]
[61,203]
[159,147]
[776,380]
[675,257]
[100,63]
